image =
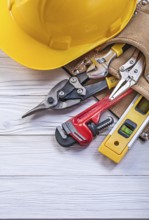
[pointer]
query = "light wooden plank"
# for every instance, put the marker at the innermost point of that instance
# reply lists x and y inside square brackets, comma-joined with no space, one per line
[41,155]
[18,80]
[2,54]
[39,179]
[13,107]
[74,197]
[44,123]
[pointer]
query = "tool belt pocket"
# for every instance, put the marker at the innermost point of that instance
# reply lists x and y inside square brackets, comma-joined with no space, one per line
[135,34]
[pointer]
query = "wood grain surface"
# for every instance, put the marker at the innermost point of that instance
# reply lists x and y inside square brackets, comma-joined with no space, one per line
[39,179]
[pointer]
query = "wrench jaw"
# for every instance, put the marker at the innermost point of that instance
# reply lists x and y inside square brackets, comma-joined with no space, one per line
[63,139]
[70,134]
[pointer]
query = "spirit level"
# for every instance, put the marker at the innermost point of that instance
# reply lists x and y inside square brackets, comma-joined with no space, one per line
[127,130]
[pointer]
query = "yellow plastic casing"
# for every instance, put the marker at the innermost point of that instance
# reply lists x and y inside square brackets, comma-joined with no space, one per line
[115,146]
[118,49]
[111,81]
[47,34]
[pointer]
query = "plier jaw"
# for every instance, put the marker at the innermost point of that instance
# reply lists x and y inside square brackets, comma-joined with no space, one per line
[50,101]
[130,74]
[42,106]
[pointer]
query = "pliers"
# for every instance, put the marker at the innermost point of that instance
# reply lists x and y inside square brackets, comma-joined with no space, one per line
[130,74]
[68,93]
[71,92]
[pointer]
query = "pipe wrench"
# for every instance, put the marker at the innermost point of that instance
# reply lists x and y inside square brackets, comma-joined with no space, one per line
[84,126]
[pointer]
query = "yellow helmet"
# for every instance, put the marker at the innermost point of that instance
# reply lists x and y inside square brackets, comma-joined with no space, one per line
[47,34]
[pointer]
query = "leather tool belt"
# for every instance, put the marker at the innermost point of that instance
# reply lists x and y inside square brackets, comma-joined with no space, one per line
[135,34]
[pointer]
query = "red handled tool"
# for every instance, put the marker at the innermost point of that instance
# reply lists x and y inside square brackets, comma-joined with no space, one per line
[83,127]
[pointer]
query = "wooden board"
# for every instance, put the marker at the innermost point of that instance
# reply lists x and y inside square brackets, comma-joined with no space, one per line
[39,179]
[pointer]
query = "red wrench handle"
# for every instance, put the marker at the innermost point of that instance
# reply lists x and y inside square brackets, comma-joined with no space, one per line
[92,114]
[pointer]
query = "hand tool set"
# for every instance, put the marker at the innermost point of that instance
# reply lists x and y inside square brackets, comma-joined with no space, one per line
[112,64]
[71,92]
[82,128]
[112,59]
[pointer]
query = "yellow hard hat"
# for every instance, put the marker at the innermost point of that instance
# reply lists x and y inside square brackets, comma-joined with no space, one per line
[47,34]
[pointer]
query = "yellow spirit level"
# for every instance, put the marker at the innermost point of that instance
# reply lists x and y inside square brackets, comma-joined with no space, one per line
[127,130]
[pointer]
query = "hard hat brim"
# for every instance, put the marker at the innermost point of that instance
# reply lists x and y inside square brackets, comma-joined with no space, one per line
[33,54]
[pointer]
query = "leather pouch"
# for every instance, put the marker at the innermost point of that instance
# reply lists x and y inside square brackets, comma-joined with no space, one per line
[137,35]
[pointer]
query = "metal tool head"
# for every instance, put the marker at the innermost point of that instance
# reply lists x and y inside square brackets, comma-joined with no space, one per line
[130,74]
[100,66]
[50,101]
[83,66]
[63,139]
[144,136]
[97,70]
[130,63]
[67,135]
